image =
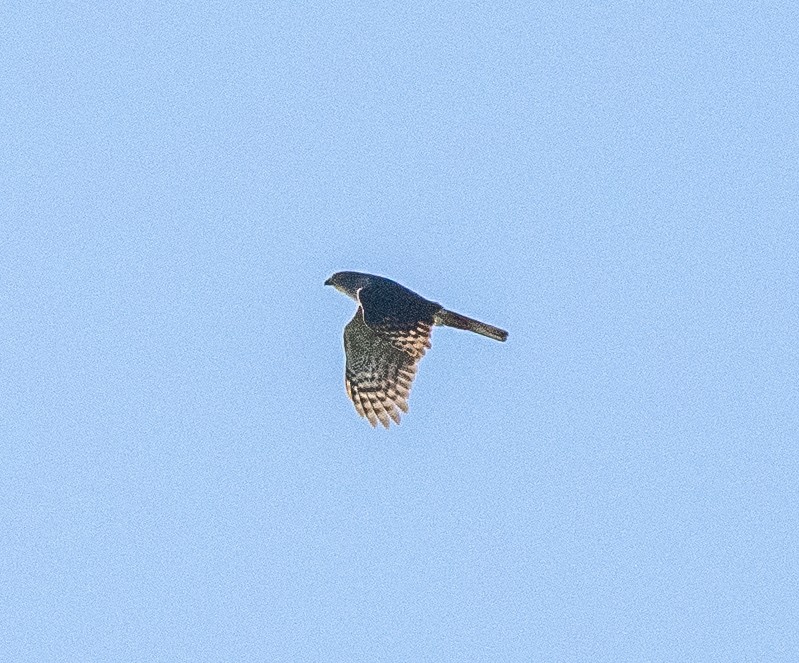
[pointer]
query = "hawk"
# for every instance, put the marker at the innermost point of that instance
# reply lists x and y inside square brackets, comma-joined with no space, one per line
[386,339]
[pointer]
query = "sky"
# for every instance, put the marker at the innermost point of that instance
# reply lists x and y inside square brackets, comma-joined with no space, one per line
[182,477]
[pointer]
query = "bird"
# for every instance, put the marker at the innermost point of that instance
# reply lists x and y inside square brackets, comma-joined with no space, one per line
[385,340]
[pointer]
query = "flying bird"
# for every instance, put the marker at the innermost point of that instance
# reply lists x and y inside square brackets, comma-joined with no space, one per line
[386,339]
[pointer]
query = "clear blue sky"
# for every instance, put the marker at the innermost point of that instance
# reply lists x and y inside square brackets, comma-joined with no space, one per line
[182,477]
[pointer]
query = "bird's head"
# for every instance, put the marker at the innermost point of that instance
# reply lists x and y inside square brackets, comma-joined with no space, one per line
[348,282]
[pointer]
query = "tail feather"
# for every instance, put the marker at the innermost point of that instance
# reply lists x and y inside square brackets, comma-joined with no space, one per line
[452,319]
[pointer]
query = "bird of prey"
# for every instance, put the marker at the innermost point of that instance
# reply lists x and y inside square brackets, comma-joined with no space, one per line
[386,339]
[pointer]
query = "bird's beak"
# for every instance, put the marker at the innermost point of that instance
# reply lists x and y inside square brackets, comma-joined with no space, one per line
[329,281]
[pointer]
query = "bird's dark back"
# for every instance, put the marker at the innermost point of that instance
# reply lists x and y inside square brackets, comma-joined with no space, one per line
[385,299]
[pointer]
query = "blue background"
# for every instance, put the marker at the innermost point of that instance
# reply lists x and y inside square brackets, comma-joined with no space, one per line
[181,474]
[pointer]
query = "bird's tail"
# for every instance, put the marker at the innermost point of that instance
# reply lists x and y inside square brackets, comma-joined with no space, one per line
[452,319]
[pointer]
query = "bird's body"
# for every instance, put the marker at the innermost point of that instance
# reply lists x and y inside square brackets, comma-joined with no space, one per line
[386,339]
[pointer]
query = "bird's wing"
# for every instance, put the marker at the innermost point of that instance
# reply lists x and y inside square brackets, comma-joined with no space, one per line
[378,374]
[402,317]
